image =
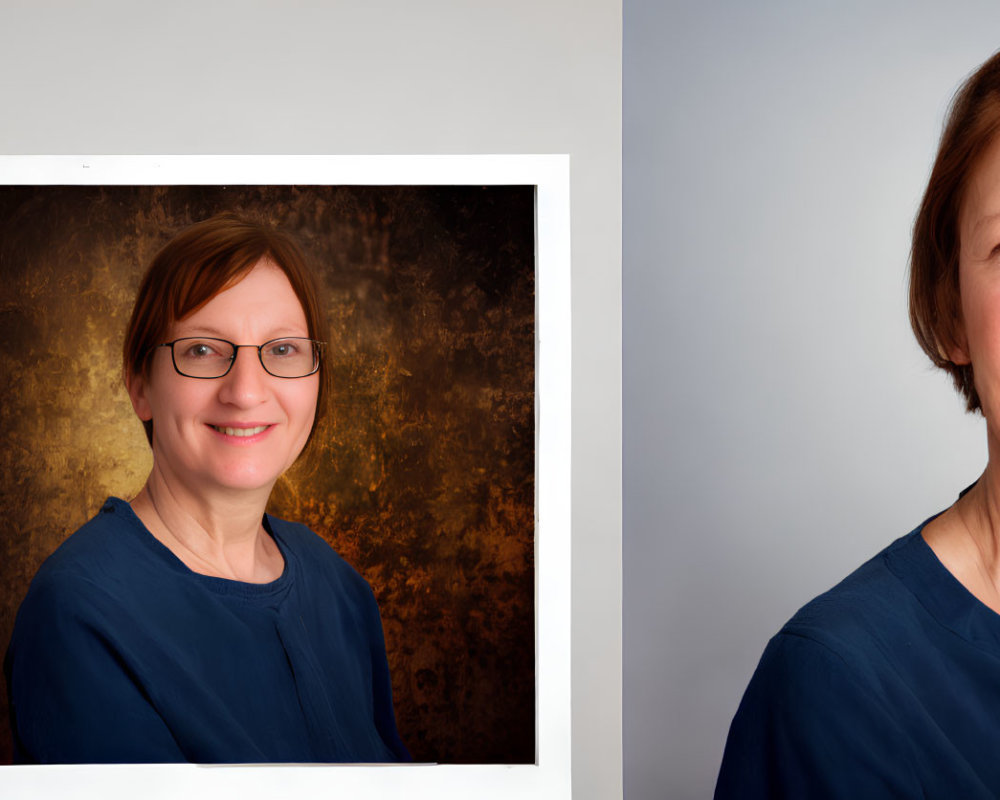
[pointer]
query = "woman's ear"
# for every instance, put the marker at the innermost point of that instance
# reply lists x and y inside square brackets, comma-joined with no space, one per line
[958,348]
[137,387]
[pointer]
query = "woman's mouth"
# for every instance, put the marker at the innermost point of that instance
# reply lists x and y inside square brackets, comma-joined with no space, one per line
[240,431]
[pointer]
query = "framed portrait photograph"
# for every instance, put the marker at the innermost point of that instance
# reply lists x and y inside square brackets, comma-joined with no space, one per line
[437,467]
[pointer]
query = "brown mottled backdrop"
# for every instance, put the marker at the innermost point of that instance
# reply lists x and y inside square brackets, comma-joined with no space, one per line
[423,476]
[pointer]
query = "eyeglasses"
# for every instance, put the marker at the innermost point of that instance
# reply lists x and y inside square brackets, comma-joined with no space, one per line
[201,357]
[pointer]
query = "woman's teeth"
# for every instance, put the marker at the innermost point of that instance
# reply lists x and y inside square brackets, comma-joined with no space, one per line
[241,431]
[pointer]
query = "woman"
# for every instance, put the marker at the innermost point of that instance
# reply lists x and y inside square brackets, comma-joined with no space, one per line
[188,625]
[888,685]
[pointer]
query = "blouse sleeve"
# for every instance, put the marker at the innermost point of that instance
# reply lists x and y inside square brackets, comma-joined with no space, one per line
[72,697]
[808,727]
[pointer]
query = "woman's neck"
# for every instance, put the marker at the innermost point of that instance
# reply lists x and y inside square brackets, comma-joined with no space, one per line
[222,536]
[966,538]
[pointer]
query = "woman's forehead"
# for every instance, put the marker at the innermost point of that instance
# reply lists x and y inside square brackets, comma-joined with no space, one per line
[260,299]
[980,202]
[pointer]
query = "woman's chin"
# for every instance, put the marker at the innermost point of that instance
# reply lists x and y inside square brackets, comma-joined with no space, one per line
[241,482]
[239,478]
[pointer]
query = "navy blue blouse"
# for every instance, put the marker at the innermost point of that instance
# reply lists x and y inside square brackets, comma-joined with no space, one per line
[886,686]
[120,653]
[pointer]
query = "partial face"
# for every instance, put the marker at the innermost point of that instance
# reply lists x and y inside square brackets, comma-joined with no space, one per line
[241,431]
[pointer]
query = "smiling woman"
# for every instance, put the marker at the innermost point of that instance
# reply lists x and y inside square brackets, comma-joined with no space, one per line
[188,625]
[886,685]
[194,449]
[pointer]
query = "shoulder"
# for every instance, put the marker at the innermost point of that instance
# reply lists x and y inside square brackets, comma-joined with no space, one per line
[811,719]
[817,712]
[316,557]
[325,581]
[106,537]
[74,599]
[827,692]
[109,572]
[837,643]
[103,551]
[868,607]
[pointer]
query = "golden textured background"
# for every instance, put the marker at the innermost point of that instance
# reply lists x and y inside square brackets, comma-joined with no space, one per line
[422,476]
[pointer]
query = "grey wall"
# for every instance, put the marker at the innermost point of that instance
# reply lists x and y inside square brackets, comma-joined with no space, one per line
[780,423]
[381,76]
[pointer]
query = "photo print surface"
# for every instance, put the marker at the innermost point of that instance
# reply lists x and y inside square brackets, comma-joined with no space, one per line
[422,475]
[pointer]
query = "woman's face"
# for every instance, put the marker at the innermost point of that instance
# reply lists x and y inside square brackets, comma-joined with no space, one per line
[191,446]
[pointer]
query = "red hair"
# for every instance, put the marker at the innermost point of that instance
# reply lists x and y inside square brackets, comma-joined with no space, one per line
[935,303]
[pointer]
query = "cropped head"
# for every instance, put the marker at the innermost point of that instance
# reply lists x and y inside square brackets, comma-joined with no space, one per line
[936,313]
[197,265]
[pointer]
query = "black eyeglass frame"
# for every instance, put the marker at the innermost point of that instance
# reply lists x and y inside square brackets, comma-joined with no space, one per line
[317,355]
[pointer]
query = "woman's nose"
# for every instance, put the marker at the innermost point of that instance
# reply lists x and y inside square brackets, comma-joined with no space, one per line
[245,383]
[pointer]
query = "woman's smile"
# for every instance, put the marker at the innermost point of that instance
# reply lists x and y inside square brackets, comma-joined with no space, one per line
[240,431]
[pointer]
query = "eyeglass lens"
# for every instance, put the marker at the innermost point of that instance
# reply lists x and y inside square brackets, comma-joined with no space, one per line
[212,358]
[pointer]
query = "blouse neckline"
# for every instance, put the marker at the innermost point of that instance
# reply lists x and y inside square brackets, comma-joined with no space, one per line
[222,586]
[943,596]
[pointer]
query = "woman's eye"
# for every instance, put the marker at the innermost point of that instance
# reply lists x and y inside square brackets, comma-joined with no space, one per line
[282,349]
[200,350]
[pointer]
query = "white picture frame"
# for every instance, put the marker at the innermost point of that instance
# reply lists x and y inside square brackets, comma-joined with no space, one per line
[550,776]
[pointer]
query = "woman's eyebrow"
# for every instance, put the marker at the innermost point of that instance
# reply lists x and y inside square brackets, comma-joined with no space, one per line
[207,330]
[985,220]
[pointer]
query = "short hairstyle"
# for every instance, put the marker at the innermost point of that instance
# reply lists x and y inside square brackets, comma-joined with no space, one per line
[935,302]
[198,263]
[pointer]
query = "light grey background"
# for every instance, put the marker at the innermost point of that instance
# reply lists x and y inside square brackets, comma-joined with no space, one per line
[381,76]
[780,424]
